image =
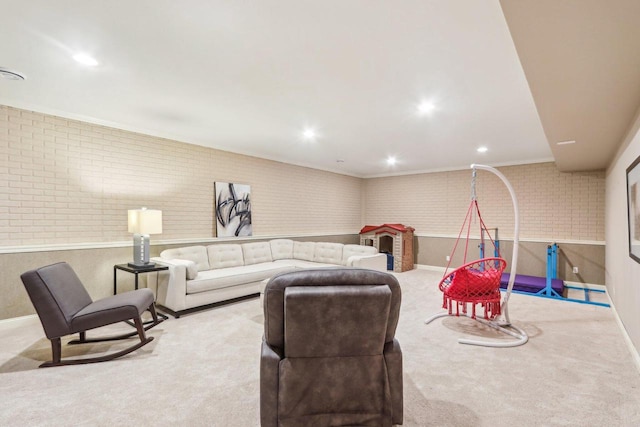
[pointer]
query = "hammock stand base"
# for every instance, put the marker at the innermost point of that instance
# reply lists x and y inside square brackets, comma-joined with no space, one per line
[520,335]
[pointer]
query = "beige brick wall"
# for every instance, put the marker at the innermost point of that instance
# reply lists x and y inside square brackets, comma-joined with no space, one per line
[65,181]
[553,205]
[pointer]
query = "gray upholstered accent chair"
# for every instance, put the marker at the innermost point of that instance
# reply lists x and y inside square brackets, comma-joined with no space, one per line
[64,308]
[329,356]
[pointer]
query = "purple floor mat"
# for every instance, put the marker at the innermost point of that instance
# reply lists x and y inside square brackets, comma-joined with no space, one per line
[531,284]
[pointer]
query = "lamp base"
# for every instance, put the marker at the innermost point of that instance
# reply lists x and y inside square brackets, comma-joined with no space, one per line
[141,266]
[141,252]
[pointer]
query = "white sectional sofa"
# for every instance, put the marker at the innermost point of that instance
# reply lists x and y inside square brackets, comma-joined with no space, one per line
[199,276]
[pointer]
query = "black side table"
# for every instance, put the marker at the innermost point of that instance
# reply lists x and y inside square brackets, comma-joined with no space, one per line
[136,271]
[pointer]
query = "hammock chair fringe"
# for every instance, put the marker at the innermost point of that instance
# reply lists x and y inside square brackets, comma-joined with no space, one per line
[491,309]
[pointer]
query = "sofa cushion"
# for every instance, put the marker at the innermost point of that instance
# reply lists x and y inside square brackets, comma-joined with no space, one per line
[197,254]
[234,276]
[225,255]
[303,250]
[256,252]
[351,250]
[281,249]
[330,253]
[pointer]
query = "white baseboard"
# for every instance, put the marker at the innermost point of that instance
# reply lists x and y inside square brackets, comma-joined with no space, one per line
[627,339]
[430,267]
[581,285]
[13,322]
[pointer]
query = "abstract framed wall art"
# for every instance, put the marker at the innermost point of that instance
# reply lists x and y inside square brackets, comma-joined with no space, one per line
[633,208]
[233,209]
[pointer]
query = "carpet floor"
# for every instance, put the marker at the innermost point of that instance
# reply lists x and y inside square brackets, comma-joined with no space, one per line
[203,369]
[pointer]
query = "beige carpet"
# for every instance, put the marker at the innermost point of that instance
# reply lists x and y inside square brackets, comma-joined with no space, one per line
[203,370]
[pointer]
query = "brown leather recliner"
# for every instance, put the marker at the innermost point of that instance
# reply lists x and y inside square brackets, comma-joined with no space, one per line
[329,356]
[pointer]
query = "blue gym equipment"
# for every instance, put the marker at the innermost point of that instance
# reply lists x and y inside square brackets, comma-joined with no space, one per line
[547,287]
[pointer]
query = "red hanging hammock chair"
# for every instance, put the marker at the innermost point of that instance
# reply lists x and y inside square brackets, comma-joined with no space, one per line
[475,282]
[478,282]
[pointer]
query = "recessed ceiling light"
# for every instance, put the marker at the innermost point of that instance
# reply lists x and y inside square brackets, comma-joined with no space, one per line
[425,108]
[391,160]
[565,142]
[85,59]
[10,75]
[482,149]
[309,134]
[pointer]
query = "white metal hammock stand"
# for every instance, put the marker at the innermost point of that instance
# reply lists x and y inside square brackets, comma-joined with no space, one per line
[500,322]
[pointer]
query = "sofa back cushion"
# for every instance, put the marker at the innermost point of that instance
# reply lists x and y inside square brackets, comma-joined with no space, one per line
[197,254]
[256,252]
[329,253]
[281,249]
[225,255]
[303,250]
[351,250]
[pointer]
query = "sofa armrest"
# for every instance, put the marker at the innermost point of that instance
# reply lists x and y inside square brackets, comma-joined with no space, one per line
[171,285]
[372,262]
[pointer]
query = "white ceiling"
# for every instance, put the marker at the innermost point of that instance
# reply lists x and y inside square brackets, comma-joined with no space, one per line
[249,76]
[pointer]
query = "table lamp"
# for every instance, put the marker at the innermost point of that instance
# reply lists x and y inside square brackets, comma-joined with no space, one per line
[143,222]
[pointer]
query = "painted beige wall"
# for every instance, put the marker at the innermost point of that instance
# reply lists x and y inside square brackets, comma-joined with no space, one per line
[93,266]
[532,259]
[622,272]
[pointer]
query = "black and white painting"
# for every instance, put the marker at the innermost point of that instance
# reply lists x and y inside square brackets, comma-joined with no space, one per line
[633,204]
[233,209]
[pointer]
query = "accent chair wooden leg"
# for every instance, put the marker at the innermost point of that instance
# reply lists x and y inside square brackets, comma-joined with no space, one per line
[56,351]
[140,328]
[154,315]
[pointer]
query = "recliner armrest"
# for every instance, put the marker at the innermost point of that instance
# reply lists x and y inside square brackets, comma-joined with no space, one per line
[393,360]
[269,374]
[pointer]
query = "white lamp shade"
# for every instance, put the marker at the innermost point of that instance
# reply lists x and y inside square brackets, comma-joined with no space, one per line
[145,221]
